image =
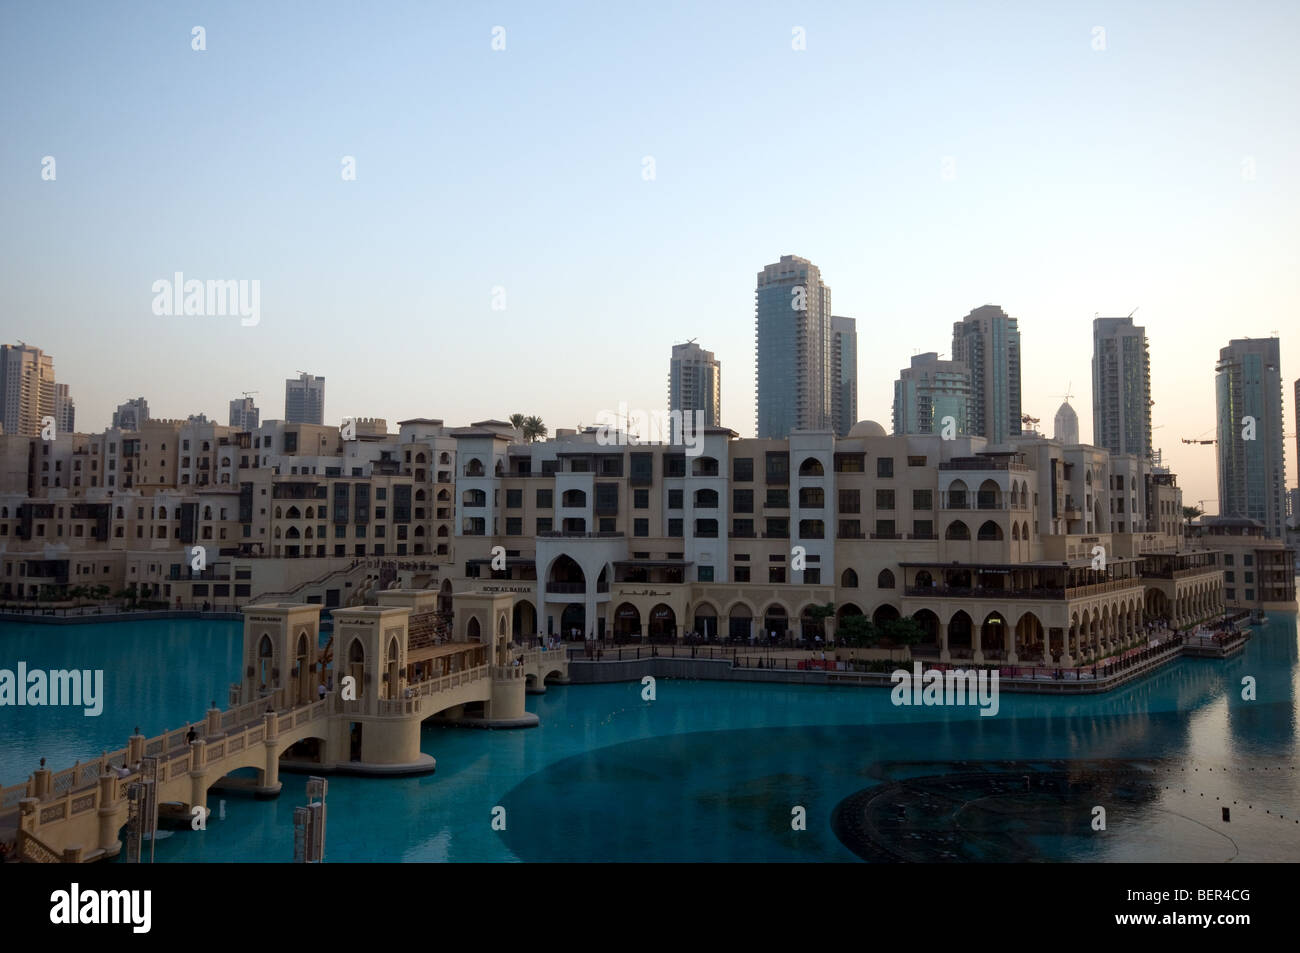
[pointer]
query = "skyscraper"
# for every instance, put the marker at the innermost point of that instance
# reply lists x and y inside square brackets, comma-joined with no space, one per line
[26,388]
[929,391]
[844,374]
[792,323]
[65,409]
[1066,425]
[1121,387]
[244,414]
[694,383]
[131,415]
[988,342]
[304,400]
[1252,468]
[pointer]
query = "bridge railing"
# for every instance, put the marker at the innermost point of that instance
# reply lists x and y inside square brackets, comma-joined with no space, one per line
[433,686]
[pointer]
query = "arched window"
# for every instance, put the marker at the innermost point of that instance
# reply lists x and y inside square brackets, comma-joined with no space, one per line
[848,579]
[706,499]
[885,580]
[705,466]
[812,467]
[990,531]
[574,498]
[1015,531]
[957,530]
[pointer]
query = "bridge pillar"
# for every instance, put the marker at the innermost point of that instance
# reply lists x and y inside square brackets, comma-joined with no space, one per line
[213,727]
[112,814]
[135,748]
[270,786]
[41,780]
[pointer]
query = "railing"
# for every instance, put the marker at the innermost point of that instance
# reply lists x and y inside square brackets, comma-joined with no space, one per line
[971,593]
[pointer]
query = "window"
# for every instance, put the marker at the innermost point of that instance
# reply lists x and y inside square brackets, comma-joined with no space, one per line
[850,462]
[514,526]
[707,529]
[545,499]
[740,574]
[704,574]
[916,461]
[641,527]
[1227,559]
[778,467]
[642,469]
[674,499]
[777,528]
[812,497]
[850,501]
[606,499]
[543,524]
[922,499]
[706,499]
[674,465]
[1250,595]
[1248,560]
[885,580]
[923,529]
[1230,577]
[1250,577]
[884,467]
[812,576]
[776,574]
[641,499]
[884,499]
[675,527]
[742,469]
[778,499]
[850,529]
[885,529]
[812,529]
[514,499]
[742,501]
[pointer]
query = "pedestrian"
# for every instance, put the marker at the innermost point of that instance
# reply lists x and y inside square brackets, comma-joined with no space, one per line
[191,736]
[320,690]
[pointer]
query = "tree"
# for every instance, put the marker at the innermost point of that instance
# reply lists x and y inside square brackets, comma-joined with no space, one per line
[1191,512]
[534,429]
[517,421]
[857,631]
[904,631]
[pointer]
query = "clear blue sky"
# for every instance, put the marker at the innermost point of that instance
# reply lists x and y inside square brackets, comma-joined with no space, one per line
[1085,181]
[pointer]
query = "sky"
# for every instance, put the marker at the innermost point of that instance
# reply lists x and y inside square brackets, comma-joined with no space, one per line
[1061,160]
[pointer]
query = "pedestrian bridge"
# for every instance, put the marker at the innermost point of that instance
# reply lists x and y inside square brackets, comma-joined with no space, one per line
[367,722]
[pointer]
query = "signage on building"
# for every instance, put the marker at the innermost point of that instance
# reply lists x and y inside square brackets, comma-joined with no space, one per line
[523,589]
[644,592]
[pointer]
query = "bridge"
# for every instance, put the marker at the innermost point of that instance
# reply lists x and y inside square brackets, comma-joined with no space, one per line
[369,726]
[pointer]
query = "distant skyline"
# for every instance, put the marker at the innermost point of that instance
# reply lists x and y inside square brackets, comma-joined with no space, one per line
[1033,171]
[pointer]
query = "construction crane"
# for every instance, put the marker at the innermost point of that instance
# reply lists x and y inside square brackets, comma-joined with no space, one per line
[1069,392]
[250,393]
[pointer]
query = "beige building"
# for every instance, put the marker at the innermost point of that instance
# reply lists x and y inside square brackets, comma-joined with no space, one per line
[1028,551]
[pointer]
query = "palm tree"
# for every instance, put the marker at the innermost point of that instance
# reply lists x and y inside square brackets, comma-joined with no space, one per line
[517,421]
[534,429]
[1191,512]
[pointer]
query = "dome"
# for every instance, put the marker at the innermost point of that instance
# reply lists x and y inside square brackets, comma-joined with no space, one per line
[867,428]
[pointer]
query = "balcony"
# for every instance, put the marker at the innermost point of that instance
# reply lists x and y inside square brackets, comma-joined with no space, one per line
[958,592]
[578,534]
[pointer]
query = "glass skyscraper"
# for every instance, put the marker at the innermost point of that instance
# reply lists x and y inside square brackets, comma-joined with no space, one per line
[929,391]
[1121,387]
[793,360]
[1252,468]
[988,342]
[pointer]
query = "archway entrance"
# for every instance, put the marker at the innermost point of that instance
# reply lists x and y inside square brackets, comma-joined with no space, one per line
[627,623]
[524,623]
[574,620]
[663,624]
[740,623]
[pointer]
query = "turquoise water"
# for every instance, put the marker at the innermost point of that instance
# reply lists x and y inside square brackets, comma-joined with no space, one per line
[707,771]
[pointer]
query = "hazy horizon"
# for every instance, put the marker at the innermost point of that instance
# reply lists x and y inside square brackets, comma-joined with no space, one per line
[928,159]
